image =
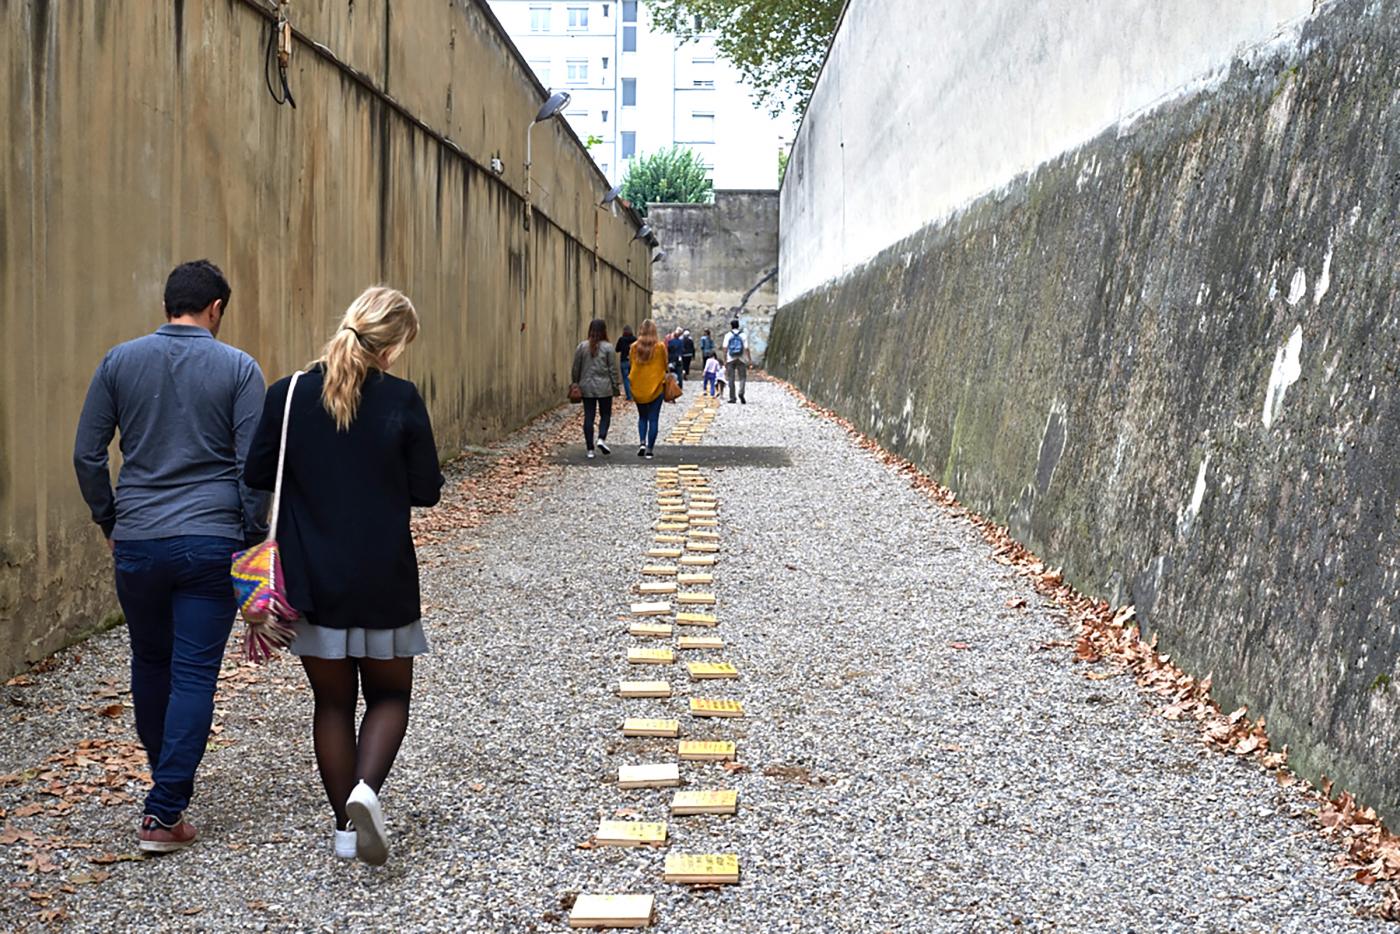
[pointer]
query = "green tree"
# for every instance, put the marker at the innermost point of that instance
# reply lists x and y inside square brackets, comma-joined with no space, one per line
[670,175]
[782,165]
[777,45]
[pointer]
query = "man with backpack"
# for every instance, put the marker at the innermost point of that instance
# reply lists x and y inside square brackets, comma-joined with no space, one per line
[737,360]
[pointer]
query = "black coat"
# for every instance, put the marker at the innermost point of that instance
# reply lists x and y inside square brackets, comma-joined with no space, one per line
[347,552]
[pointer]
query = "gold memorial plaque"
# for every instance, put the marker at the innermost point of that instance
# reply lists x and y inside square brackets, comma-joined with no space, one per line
[644,726]
[669,539]
[704,671]
[656,587]
[696,619]
[649,630]
[715,707]
[655,775]
[660,570]
[699,642]
[651,609]
[644,689]
[639,656]
[702,513]
[713,801]
[704,523]
[704,750]
[696,599]
[699,561]
[672,526]
[664,553]
[704,535]
[707,547]
[612,911]
[702,868]
[630,832]
[695,578]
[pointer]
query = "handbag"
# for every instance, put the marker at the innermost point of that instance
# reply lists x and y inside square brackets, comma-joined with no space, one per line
[672,392]
[575,393]
[257,573]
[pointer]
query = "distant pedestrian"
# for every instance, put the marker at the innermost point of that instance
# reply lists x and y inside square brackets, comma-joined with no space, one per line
[707,345]
[675,351]
[359,454]
[713,376]
[186,407]
[624,347]
[738,359]
[648,384]
[687,352]
[596,373]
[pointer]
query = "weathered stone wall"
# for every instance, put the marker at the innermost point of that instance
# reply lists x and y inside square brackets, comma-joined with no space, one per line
[715,255]
[1170,359]
[141,134]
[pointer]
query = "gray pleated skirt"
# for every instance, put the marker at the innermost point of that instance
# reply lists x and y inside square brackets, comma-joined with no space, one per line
[324,642]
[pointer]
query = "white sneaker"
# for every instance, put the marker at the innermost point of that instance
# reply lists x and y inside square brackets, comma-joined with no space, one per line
[590,455]
[345,843]
[603,446]
[371,836]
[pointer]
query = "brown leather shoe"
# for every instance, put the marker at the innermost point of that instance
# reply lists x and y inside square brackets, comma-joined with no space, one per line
[158,837]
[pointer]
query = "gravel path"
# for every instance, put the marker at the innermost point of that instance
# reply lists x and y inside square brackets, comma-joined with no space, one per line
[896,782]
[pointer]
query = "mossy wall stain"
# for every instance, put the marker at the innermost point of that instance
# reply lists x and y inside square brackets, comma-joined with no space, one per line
[1208,300]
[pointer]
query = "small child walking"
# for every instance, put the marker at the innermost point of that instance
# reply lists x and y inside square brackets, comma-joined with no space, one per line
[713,372]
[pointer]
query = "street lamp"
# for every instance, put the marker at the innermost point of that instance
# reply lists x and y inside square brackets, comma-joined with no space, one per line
[551,109]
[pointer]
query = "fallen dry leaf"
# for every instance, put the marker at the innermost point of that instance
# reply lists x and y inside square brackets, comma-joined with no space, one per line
[111,711]
[961,646]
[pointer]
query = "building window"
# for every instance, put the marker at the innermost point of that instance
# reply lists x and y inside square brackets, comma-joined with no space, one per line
[539,19]
[605,10]
[578,18]
[699,24]
[629,92]
[703,72]
[629,11]
[605,63]
[629,38]
[540,66]
[704,124]
[629,144]
[577,71]
[605,116]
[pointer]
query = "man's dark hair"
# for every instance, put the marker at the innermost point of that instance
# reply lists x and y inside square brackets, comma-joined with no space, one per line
[733,324]
[192,286]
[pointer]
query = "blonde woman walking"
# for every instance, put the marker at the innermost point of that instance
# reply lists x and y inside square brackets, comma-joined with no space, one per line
[359,454]
[649,360]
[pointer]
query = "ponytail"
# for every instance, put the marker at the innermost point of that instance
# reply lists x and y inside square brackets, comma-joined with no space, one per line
[375,330]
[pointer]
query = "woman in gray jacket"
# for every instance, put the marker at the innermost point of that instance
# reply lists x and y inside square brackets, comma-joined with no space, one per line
[596,375]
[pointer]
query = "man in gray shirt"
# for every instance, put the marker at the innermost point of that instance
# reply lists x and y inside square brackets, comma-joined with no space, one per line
[186,407]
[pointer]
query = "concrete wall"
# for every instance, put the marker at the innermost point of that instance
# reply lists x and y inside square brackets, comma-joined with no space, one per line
[924,105]
[139,135]
[1168,358]
[715,255]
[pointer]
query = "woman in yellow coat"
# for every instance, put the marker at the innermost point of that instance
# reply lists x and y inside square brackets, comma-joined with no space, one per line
[648,358]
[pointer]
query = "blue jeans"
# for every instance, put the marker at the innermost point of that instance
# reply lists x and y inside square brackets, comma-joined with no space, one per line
[708,387]
[626,368]
[649,422]
[179,606]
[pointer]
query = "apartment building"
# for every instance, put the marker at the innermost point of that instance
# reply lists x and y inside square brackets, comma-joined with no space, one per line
[637,89]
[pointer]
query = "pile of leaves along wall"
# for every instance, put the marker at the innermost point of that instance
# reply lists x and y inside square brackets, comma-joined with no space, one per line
[1170,361]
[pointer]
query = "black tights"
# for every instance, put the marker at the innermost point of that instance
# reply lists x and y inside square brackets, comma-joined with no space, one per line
[342,759]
